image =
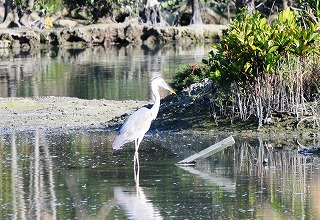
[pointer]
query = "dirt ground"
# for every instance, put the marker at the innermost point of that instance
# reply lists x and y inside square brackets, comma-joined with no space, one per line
[23,114]
[60,112]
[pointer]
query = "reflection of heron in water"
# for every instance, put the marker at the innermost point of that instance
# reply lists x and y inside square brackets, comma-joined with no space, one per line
[139,122]
[136,204]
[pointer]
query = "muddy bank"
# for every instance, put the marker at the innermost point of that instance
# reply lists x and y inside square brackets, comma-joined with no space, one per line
[178,113]
[191,109]
[60,112]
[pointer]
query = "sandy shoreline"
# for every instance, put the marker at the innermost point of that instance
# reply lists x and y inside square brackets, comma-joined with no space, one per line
[60,112]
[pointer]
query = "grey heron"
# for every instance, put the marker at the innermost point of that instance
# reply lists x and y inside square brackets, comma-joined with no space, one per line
[137,125]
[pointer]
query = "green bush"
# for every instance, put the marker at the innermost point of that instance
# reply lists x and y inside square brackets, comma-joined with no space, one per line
[47,7]
[264,61]
[189,74]
[252,46]
[262,67]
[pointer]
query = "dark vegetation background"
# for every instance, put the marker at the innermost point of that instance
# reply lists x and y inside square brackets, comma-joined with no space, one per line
[169,12]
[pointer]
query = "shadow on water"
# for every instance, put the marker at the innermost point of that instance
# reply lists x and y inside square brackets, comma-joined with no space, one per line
[75,174]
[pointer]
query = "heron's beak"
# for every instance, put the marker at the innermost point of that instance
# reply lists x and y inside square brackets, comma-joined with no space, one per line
[167,87]
[171,90]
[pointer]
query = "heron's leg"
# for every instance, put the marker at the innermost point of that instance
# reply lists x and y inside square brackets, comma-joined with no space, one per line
[135,159]
[137,171]
[137,153]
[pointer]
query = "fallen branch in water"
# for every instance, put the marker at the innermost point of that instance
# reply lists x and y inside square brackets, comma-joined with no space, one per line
[208,151]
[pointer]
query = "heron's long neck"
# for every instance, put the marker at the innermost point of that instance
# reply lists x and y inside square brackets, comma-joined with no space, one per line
[156,105]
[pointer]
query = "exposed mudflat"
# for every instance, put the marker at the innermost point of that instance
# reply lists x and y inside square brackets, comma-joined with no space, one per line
[177,113]
[60,112]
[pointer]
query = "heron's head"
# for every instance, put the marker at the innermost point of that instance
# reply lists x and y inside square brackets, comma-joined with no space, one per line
[158,81]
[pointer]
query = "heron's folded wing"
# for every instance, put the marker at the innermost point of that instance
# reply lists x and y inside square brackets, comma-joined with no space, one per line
[134,127]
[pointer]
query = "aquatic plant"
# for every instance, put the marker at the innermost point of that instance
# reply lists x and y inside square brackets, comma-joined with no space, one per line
[266,67]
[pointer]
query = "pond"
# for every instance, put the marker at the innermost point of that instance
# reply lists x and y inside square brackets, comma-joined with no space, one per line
[75,175]
[114,73]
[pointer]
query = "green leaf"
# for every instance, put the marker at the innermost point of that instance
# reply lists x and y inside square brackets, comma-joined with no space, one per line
[263,23]
[312,27]
[254,47]
[217,74]
[236,66]
[250,40]
[247,66]
[284,16]
[272,49]
[268,68]
[312,36]
[204,61]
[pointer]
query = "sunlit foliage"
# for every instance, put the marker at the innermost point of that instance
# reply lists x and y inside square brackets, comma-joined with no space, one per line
[252,46]
[266,66]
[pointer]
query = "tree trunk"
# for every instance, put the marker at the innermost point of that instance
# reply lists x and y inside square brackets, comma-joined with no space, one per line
[24,20]
[152,12]
[196,13]
[11,16]
[286,3]
[250,6]
[8,6]
[30,5]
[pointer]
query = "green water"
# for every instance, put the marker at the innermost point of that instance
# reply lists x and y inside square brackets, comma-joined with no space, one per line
[113,73]
[75,175]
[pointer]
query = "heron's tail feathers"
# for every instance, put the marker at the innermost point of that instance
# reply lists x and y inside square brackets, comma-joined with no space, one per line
[118,143]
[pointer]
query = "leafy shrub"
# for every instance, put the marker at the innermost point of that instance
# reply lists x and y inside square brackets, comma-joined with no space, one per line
[189,74]
[47,7]
[263,66]
[263,62]
[253,47]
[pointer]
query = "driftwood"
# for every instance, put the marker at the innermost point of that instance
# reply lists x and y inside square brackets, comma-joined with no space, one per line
[208,151]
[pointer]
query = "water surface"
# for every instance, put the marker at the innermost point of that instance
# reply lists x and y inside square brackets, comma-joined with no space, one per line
[75,175]
[114,73]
